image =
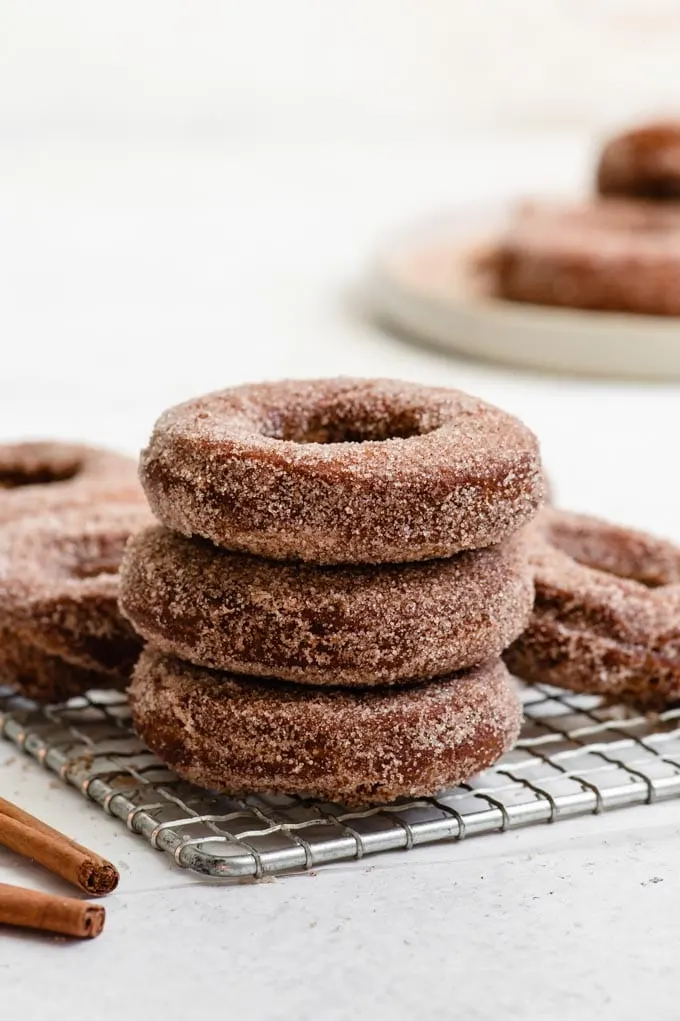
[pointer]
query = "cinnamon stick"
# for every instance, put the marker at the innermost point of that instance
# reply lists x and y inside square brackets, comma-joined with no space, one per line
[64,915]
[76,864]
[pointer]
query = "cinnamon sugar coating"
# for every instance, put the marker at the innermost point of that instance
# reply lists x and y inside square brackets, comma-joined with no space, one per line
[38,477]
[342,471]
[354,747]
[643,162]
[40,676]
[597,626]
[611,255]
[60,626]
[339,625]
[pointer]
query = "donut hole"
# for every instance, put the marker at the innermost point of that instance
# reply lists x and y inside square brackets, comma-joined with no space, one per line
[13,476]
[350,422]
[81,557]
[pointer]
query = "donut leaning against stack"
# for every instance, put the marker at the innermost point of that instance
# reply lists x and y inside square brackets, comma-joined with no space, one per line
[61,632]
[66,512]
[607,614]
[339,565]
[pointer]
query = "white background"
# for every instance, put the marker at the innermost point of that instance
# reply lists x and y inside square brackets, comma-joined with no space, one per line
[188,195]
[150,66]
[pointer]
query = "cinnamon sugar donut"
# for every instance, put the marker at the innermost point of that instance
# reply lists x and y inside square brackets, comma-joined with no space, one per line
[37,477]
[342,471]
[607,613]
[643,163]
[610,255]
[355,747]
[60,628]
[40,676]
[339,625]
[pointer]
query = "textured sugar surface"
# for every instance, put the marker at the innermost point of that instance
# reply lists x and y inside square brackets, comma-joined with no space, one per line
[342,471]
[39,477]
[58,598]
[338,625]
[224,732]
[332,472]
[44,677]
[593,630]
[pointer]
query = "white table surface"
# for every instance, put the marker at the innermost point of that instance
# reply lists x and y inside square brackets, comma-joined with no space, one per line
[133,275]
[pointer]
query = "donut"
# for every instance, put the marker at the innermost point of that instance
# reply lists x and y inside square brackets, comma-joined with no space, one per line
[60,628]
[37,477]
[607,614]
[610,255]
[642,163]
[340,625]
[237,735]
[342,471]
[44,678]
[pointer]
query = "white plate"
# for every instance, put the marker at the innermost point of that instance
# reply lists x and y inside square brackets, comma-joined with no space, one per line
[423,284]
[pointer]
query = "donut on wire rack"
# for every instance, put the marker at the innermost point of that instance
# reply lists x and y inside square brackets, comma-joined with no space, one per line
[607,615]
[232,734]
[61,631]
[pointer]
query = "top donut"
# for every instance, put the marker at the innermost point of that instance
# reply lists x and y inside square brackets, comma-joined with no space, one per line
[342,471]
[642,163]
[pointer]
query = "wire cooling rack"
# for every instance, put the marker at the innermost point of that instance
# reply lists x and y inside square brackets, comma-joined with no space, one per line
[575,757]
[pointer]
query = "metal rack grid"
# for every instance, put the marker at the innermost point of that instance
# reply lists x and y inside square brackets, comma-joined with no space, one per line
[575,757]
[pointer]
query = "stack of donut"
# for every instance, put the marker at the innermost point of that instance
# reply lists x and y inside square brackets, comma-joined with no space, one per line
[338,566]
[620,250]
[66,512]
